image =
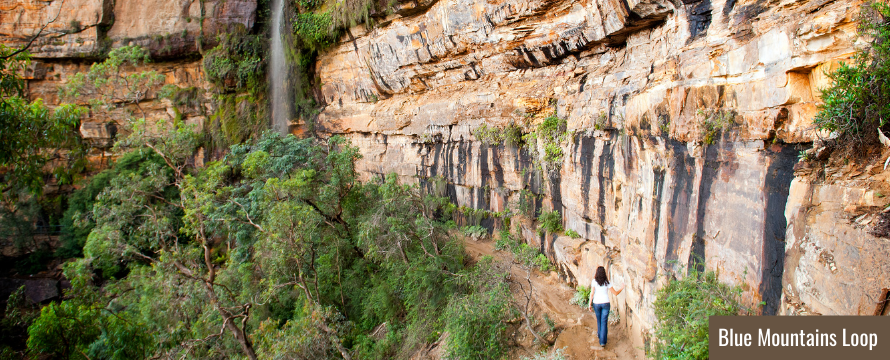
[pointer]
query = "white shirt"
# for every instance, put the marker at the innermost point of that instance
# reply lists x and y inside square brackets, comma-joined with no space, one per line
[600,293]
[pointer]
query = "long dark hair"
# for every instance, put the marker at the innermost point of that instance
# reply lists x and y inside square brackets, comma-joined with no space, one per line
[600,277]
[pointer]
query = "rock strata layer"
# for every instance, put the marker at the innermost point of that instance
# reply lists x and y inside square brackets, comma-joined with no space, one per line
[87,28]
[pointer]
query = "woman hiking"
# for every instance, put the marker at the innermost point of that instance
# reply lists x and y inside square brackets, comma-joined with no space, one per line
[599,302]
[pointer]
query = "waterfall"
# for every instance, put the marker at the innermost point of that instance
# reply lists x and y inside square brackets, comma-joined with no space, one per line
[278,73]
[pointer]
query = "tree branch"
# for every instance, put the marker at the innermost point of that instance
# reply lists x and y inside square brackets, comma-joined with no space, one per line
[30,42]
[249,220]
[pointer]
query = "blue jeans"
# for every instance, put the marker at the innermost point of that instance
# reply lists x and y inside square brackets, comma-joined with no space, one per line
[601,311]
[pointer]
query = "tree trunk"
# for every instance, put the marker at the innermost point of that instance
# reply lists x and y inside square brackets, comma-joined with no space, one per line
[239,334]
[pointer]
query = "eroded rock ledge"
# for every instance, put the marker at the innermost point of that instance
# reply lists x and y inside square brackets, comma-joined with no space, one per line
[637,81]
[87,28]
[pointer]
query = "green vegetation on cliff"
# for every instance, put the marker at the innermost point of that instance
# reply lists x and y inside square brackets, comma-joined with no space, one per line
[238,62]
[858,101]
[274,250]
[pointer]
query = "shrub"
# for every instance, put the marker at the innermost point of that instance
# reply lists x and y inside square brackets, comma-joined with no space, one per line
[74,27]
[682,309]
[601,122]
[552,133]
[553,129]
[858,100]
[511,135]
[524,254]
[550,222]
[572,234]
[475,231]
[582,296]
[314,30]
[505,241]
[531,257]
[552,153]
[543,263]
[526,203]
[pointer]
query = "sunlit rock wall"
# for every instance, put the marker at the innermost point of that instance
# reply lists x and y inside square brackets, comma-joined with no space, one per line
[835,263]
[87,28]
[637,82]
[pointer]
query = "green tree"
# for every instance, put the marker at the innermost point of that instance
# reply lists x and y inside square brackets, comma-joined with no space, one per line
[77,221]
[274,250]
[34,135]
[476,321]
[858,100]
[40,146]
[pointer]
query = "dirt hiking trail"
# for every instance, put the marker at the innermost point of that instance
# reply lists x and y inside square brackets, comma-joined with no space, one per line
[575,327]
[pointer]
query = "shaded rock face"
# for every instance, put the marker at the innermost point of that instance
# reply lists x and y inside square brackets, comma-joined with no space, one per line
[37,290]
[644,182]
[86,28]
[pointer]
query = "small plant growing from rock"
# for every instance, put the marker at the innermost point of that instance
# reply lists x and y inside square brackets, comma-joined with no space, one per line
[858,101]
[552,133]
[572,234]
[664,125]
[107,86]
[804,156]
[74,27]
[427,138]
[487,134]
[509,136]
[552,153]
[713,124]
[601,122]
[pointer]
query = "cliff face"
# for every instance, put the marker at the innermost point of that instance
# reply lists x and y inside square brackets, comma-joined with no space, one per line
[80,31]
[684,120]
[641,85]
[86,28]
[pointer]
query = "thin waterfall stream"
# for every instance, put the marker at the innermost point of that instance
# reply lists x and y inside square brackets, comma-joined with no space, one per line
[278,73]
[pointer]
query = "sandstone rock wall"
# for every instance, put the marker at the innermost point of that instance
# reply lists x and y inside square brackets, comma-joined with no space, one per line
[79,32]
[86,28]
[639,83]
[835,264]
